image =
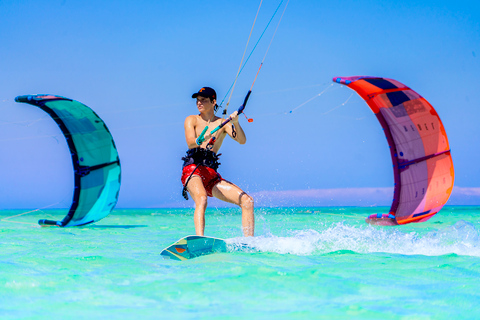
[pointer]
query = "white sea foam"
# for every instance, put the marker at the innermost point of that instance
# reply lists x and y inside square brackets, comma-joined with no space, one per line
[462,238]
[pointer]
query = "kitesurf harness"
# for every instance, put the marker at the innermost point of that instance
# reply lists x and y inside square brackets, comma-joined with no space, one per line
[199,157]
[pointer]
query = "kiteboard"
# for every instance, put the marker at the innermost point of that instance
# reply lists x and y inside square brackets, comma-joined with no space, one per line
[194,246]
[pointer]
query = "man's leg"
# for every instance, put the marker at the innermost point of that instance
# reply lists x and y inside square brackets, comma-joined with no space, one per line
[229,192]
[199,195]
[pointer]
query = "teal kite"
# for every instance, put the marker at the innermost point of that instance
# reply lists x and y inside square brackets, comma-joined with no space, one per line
[95,159]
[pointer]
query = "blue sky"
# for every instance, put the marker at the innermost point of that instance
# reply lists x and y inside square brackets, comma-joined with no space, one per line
[136,63]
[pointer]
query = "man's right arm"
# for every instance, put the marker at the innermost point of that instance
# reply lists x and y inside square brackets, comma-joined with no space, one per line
[190,134]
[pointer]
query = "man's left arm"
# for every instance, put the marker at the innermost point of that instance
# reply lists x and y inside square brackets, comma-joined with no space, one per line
[236,132]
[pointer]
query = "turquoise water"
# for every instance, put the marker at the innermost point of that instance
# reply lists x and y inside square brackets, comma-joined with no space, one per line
[319,263]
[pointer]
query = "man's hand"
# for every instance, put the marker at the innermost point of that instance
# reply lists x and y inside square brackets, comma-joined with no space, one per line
[234,117]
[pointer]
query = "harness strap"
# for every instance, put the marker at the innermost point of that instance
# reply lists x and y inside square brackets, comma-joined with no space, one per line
[184,190]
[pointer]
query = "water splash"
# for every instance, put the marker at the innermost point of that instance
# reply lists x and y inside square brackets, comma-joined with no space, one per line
[462,238]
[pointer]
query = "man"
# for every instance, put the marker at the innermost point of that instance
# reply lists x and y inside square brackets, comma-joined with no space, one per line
[199,175]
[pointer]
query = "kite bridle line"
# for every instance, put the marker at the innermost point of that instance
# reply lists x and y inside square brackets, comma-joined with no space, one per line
[201,137]
[232,87]
[241,62]
[7,219]
[251,52]
[214,132]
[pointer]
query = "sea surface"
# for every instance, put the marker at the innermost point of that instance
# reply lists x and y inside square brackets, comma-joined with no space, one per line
[305,263]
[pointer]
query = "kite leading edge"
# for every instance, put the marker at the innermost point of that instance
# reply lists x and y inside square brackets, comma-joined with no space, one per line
[95,159]
[422,163]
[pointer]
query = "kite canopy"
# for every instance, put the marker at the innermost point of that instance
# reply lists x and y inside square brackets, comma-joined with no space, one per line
[422,164]
[94,156]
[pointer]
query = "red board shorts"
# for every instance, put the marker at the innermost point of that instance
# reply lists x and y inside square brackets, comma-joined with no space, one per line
[209,176]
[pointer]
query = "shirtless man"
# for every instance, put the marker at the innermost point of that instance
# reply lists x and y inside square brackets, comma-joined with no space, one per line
[199,174]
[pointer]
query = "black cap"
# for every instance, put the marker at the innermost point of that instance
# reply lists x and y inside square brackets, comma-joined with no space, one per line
[206,92]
